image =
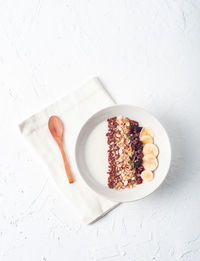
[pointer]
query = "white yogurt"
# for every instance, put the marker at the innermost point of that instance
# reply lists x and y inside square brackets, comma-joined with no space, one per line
[96,154]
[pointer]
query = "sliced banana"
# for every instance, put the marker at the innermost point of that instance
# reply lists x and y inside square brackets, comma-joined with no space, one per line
[150,148]
[146,132]
[150,162]
[146,139]
[147,175]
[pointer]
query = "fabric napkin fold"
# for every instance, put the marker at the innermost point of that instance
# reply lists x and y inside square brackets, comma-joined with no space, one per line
[73,110]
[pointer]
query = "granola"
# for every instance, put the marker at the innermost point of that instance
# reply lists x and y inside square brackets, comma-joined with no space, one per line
[128,142]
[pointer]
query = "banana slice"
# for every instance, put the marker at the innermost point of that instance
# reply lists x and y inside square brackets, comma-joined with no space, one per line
[146,132]
[150,148]
[147,175]
[150,162]
[146,139]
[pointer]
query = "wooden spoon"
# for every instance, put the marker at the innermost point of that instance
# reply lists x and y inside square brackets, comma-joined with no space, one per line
[56,128]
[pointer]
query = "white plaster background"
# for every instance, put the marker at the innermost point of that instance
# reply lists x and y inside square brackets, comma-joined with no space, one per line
[147,53]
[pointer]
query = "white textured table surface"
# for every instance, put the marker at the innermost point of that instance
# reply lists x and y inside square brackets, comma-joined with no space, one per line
[146,53]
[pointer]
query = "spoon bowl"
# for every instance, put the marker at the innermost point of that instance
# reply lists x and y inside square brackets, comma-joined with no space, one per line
[56,128]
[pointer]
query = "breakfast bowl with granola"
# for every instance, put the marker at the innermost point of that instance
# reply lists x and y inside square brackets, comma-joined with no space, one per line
[123,153]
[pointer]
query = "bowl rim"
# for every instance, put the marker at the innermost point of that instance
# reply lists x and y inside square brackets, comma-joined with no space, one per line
[110,107]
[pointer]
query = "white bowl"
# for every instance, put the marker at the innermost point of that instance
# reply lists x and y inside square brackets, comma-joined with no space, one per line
[92,156]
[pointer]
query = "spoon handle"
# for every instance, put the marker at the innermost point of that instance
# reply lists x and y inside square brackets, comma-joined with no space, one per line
[66,163]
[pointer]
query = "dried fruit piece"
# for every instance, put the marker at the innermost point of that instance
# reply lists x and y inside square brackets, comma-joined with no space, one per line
[139,180]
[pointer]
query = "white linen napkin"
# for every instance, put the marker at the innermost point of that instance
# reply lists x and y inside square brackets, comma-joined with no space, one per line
[73,110]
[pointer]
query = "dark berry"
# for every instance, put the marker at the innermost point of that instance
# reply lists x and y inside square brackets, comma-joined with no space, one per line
[139,180]
[140,169]
[134,122]
[138,145]
[139,155]
[137,162]
[139,129]
[136,135]
[135,141]
[133,129]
